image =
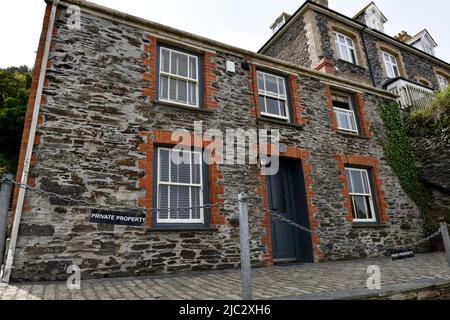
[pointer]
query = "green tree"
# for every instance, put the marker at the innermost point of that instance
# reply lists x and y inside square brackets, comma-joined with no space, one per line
[434,121]
[15,85]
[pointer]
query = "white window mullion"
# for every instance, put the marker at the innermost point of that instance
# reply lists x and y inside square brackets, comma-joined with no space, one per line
[372,207]
[355,208]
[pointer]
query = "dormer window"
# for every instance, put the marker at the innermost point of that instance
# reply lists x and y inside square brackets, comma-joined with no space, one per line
[278,25]
[375,23]
[428,49]
[279,22]
[372,17]
[423,41]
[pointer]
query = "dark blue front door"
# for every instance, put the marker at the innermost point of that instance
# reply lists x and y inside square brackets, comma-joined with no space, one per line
[287,198]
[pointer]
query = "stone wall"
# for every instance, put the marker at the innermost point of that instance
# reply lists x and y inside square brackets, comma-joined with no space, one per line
[433,161]
[415,66]
[433,164]
[292,46]
[90,147]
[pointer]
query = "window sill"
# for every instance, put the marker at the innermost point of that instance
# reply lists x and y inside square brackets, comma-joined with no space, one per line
[181,107]
[352,135]
[179,229]
[371,225]
[279,122]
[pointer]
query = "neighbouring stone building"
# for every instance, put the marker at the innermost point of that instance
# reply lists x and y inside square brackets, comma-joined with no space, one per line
[358,49]
[104,125]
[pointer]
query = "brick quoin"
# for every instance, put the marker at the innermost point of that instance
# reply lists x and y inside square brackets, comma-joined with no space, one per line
[210,79]
[253,87]
[364,123]
[297,108]
[266,236]
[266,239]
[369,163]
[30,109]
[150,62]
[331,114]
[164,138]
[363,120]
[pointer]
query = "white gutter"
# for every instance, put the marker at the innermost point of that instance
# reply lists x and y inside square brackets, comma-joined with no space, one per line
[29,152]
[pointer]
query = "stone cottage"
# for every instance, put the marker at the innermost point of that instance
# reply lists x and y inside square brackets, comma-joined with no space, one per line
[107,97]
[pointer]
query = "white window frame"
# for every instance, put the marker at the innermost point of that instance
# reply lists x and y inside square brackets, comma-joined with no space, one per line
[178,77]
[390,62]
[443,82]
[353,194]
[428,49]
[346,47]
[201,220]
[279,24]
[263,93]
[350,114]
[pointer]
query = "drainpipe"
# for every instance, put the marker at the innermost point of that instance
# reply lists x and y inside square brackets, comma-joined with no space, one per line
[29,150]
[372,76]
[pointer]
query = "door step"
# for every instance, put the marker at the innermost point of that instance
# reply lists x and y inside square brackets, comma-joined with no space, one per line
[286,263]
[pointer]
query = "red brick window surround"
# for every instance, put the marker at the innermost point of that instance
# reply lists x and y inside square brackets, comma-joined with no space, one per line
[157,138]
[207,80]
[291,81]
[373,166]
[303,156]
[359,105]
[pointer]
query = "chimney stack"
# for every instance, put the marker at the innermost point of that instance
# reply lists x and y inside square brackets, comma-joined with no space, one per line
[403,36]
[323,3]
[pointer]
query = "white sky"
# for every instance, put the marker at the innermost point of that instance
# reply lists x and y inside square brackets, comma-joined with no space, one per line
[243,23]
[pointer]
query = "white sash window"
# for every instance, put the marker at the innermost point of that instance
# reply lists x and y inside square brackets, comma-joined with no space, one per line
[272,96]
[345,113]
[361,196]
[180,185]
[178,77]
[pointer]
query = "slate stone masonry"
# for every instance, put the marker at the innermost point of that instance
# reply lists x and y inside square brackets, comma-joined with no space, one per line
[91,138]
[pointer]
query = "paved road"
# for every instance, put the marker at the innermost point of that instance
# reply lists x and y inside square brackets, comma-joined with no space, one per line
[268,283]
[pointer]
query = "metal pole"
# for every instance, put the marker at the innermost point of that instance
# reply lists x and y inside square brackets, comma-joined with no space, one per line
[5,199]
[446,239]
[246,272]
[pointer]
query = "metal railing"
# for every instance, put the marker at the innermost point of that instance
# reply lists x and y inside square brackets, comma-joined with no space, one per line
[412,96]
